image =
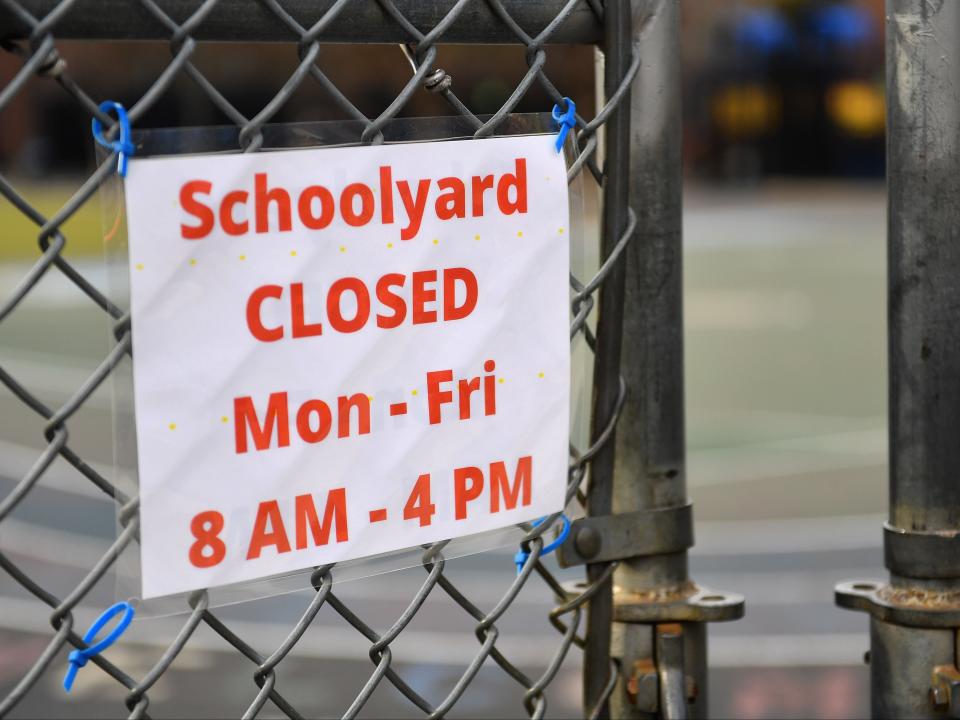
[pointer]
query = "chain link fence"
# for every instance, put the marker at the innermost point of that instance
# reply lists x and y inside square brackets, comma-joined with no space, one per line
[32,29]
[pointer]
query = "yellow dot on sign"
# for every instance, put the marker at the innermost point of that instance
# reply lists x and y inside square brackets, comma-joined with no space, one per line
[243,257]
[389,245]
[499,380]
[370,398]
[540,375]
[476,237]
[342,249]
[224,419]
[173,426]
[293,253]
[560,231]
[520,233]
[139,266]
[193,261]
[413,392]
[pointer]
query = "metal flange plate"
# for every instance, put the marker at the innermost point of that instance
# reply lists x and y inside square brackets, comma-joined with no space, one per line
[901,606]
[690,604]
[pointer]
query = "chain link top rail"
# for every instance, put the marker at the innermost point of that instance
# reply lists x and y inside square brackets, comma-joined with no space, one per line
[419,25]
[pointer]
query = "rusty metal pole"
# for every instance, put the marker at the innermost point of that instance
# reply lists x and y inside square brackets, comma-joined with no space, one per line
[658,636]
[914,617]
[651,436]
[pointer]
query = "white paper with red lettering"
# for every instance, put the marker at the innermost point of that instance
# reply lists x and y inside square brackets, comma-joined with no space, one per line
[287,316]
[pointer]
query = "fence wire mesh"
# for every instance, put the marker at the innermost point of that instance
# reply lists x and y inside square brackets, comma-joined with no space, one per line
[31,30]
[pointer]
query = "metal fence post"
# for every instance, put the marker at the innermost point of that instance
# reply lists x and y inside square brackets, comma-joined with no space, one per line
[914,617]
[658,637]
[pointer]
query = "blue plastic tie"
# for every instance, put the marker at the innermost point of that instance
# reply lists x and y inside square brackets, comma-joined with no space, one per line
[522,555]
[123,146]
[78,658]
[564,121]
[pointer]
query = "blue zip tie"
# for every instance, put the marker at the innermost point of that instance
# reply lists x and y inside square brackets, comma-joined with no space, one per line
[564,121]
[522,555]
[78,658]
[124,146]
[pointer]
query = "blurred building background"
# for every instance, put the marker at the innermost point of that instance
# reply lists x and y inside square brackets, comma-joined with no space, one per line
[788,87]
[784,88]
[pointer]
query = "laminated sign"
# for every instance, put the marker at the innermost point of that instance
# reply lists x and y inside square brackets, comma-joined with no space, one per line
[344,352]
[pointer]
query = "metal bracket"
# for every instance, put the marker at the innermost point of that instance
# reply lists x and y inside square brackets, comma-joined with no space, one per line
[688,603]
[628,535]
[912,607]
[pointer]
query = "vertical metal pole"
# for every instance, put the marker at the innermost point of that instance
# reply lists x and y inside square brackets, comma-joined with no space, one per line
[660,614]
[923,114]
[923,111]
[914,618]
[617,56]
[658,635]
[651,443]
[651,463]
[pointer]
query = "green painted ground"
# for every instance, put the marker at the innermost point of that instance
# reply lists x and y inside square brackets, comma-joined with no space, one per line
[786,351]
[84,230]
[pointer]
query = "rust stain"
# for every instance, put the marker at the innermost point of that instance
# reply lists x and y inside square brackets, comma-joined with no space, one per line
[916,598]
[676,593]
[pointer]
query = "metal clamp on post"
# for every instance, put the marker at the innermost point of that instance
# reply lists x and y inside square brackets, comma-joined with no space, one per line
[912,553]
[644,533]
[635,534]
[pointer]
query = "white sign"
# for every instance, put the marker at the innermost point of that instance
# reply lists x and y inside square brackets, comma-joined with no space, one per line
[343,352]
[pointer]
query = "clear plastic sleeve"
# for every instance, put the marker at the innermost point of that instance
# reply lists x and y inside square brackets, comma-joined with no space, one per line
[583,245]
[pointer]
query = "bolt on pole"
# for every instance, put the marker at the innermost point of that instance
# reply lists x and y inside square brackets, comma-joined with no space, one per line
[914,617]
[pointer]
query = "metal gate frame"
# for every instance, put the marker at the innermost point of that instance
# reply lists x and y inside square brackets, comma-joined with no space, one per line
[645,639]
